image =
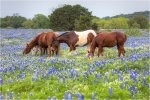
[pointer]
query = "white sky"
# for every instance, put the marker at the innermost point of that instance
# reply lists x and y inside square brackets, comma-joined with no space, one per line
[100,8]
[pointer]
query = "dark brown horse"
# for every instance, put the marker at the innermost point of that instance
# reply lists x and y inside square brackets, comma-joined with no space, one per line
[105,39]
[44,41]
[74,39]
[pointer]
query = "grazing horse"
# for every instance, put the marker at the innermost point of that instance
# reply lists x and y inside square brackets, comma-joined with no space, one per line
[74,39]
[105,39]
[44,41]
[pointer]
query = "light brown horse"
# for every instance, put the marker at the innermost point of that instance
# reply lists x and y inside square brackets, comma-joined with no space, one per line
[44,40]
[105,39]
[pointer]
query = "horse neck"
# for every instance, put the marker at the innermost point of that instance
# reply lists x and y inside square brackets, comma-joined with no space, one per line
[61,39]
[33,43]
[93,46]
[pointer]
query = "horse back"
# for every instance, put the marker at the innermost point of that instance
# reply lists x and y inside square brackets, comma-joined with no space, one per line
[106,39]
[121,38]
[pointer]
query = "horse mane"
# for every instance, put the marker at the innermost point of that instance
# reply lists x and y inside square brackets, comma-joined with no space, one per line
[64,35]
[34,42]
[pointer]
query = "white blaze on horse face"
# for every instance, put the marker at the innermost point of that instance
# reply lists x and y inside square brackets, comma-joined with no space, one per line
[83,37]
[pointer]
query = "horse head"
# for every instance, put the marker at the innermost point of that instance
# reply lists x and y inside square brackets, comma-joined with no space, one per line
[55,45]
[90,54]
[27,49]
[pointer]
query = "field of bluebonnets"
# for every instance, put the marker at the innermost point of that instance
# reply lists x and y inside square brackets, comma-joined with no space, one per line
[73,76]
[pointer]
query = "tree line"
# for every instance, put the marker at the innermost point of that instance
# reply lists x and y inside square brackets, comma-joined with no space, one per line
[73,17]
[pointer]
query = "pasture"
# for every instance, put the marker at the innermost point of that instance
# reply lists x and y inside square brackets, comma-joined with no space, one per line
[72,76]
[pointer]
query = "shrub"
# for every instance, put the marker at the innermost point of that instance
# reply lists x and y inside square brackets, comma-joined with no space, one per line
[133,32]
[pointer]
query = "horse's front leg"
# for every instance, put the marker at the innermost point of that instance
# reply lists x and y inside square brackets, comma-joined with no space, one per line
[100,51]
[52,52]
[35,50]
[46,51]
[71,48]
[41,50]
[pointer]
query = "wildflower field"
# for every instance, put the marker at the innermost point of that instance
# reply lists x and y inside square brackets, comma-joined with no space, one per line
[72,76]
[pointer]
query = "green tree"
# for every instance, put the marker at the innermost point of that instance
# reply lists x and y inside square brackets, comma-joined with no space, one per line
[138,22]
[83,23]
[28,24]
[40,21]
[64,18]
[14,21]
[116,23]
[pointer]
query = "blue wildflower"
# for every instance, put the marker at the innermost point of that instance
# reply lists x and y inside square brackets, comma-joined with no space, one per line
[110,91]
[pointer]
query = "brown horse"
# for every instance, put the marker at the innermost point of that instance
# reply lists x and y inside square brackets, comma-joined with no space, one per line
[74,39]
[44,40]
[105,39]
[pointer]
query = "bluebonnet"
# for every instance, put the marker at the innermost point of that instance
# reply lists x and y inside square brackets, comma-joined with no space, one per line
[80,96]
[48,98]
[93,96]
[1,81]
[122,86]
[110,91]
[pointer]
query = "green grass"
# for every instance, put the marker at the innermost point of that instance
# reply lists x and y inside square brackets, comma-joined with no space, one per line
[43,88]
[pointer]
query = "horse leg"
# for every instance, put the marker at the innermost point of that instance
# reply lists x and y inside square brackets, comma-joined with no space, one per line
[119,50]
[100,51]
[53,52]
[44,51]
[49,49]
[41,50]
[71,48]
[123,51]
[35,50]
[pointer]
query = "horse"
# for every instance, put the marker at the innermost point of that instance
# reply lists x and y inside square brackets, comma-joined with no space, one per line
[44,41]
[74,39]
[108,39]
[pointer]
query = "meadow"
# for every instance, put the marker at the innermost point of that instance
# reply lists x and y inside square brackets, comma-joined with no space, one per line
[72,76]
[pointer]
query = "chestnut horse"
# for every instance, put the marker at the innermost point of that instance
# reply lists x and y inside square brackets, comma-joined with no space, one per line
[105,39]
[74,39]
[44,41]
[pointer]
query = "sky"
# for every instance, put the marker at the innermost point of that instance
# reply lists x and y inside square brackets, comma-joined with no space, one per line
[99,8]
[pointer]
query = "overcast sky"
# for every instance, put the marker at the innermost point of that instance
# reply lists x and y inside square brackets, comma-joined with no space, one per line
[100,8]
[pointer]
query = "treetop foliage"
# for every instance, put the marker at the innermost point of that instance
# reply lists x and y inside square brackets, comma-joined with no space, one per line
[76,17]
[64,18]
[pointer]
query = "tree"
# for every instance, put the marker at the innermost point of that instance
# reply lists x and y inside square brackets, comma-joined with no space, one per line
[14,21]
[40,21]
[28,24]
[83,23]
[116,23]
[138,21]
[64,18]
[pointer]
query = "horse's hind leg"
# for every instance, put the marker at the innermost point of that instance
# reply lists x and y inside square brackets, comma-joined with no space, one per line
[49,49]
[41,50]
[119,50]
[123,51]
